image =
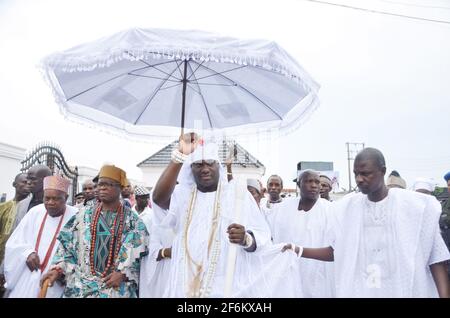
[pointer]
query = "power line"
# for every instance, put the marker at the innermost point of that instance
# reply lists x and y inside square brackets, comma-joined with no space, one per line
[379,12]
[416,5]
[417,161]
[352,150]
[425,158]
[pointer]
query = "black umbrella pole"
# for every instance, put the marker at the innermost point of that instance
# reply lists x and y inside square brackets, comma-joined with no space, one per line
[183,100]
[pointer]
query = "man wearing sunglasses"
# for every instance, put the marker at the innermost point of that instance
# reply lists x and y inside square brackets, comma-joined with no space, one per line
[102,246]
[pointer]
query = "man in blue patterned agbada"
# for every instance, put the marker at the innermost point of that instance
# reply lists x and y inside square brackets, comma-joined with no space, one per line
[102,246]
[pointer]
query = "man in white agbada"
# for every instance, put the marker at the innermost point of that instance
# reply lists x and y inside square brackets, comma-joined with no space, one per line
[33,243]
[385,242]
[155,266]
[303,221]
[201,210]
[274,188]
[141,207]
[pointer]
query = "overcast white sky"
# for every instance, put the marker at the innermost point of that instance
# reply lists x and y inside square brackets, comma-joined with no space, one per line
[384,80]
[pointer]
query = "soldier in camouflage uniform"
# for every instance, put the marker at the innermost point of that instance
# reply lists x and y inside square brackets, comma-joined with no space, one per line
[445,217]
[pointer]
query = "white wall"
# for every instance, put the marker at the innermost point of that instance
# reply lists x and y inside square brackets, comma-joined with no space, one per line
[85,173]
[150,175]
[248,173]
[10,158]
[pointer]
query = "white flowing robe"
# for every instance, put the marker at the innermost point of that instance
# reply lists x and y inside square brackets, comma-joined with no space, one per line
[384,249]
[21,282]
[307,229]
[264,273]
[154,275]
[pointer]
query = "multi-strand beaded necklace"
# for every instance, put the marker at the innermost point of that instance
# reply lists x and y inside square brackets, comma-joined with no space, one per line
[116,237]
[200,286]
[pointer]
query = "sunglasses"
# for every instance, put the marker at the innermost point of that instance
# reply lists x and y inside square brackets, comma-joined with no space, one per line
[105,184]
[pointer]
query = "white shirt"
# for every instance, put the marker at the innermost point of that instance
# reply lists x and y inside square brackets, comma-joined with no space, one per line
[378,265]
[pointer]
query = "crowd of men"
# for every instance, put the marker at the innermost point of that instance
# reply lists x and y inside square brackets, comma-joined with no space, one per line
[201,232]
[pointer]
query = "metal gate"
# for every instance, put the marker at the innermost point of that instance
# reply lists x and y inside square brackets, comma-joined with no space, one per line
[52,157]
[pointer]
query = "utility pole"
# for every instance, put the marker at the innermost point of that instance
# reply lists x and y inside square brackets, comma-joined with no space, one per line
[352,150]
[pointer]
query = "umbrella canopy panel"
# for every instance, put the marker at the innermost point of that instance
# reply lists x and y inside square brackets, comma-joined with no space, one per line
[218,95]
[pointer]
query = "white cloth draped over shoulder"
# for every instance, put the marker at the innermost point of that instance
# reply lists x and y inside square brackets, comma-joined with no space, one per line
[264,273]
[21,282]
[384,249]
[307,229]
[154,274]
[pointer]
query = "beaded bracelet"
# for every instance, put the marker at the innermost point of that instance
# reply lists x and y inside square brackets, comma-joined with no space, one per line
[248,240]
[178,157]
[58,269]
[300,250]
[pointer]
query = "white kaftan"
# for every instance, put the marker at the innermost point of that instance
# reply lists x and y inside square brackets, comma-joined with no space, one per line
[385,248]
[154,274]
[308,229]
[21,282]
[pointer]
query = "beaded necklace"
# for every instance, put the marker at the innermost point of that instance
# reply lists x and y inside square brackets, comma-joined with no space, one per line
[115,238]
[44,263]
[200,287]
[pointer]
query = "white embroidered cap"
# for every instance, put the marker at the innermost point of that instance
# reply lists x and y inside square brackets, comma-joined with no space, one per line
[255,184]
[205,151]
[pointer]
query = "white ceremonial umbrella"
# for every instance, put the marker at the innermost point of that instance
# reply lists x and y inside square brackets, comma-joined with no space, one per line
[151,82]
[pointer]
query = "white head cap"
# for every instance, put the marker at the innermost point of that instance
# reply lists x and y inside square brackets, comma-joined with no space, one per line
[205,151]
[254,183]
[424,184]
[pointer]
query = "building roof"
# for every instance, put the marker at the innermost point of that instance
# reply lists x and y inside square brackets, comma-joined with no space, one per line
[242,159]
